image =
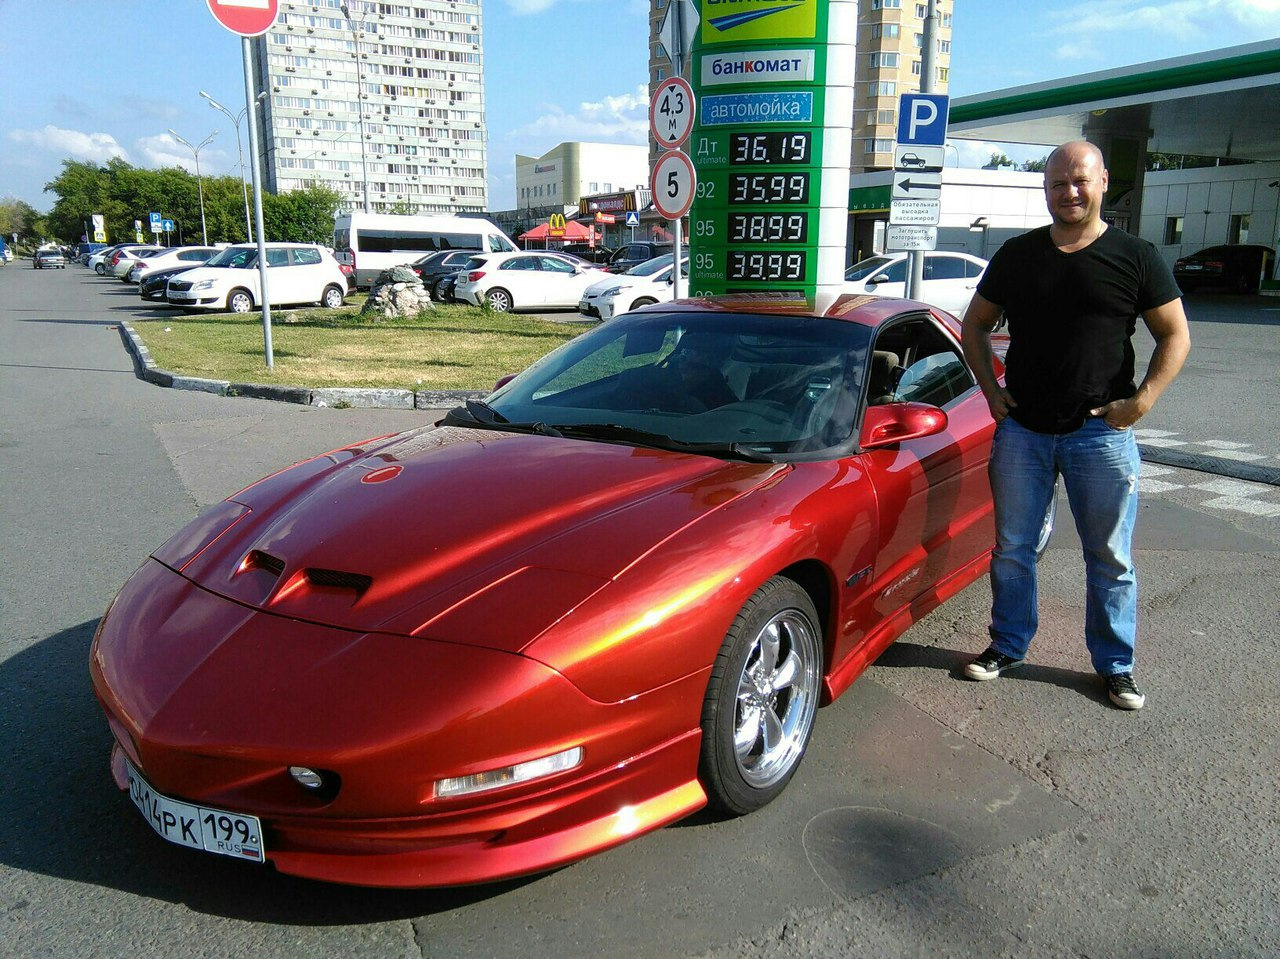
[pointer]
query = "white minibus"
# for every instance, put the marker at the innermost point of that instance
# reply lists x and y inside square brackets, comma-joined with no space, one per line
[372,242]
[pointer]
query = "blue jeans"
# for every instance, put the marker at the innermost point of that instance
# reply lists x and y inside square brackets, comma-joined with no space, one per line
[1099,467]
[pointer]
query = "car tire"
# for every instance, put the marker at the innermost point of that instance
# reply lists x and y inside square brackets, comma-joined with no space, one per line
[332,298]
[239,300]
[762,699]
[498,300]
[100,270]
[434,291]
[643,301]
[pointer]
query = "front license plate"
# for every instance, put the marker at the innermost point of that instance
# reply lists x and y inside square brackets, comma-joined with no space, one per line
[213,830]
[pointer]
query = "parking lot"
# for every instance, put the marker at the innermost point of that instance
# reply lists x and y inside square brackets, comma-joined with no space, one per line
[932,816]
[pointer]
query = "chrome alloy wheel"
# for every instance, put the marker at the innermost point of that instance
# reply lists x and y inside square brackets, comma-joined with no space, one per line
[777,699]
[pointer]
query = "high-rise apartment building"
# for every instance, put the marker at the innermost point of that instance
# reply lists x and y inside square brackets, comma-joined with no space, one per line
[890,50]
[890,45]
[381,101]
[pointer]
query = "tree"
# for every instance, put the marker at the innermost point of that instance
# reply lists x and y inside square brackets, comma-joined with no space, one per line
[302,216]
[17,216]
[124,194]
[1036,166]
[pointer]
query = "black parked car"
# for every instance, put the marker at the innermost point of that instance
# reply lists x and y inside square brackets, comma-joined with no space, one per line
[1237,267]
[585,251]
[434,267]
[633,254]
[152,286]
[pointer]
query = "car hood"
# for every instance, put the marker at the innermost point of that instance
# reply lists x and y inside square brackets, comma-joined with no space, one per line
[398,535]
[609,282]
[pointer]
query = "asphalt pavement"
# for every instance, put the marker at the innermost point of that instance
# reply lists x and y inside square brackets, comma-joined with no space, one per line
[932,817]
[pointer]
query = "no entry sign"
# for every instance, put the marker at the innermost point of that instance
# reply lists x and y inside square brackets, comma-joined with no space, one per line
[248,18]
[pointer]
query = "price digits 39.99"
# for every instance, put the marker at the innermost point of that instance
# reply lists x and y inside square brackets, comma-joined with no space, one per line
[767,267]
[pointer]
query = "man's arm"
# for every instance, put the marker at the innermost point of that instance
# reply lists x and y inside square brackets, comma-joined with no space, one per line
[980,320]
[1168,325]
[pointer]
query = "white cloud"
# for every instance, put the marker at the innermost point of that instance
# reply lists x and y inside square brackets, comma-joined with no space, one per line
[98,147]
[1078,27]
[523,8]
[164,151]
[613,119]
[975,154]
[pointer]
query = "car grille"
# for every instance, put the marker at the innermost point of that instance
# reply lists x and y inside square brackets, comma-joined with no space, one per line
[179,286]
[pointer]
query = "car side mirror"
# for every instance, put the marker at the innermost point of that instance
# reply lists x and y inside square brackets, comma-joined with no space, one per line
[879,278]
[892,423]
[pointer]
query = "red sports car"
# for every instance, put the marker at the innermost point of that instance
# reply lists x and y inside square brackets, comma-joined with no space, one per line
[617,590]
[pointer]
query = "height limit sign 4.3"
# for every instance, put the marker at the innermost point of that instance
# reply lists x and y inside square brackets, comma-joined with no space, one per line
[671,113]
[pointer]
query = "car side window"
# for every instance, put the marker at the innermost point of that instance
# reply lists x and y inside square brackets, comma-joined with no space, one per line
[916,362]
[520,263]
[944,268]
[277,258]
[306,257]
[897,272]
[555,265]
[972,269]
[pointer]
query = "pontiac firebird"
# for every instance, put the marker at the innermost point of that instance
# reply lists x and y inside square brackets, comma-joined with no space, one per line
[615,591]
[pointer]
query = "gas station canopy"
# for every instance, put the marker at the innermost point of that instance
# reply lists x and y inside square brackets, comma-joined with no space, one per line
[1224,103]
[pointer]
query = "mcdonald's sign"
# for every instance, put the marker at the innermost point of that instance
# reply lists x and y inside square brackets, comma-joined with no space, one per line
[556,225]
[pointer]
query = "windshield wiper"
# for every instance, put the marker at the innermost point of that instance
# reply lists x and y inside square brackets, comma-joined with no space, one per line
[627,434]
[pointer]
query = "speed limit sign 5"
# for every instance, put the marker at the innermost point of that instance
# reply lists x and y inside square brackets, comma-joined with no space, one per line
[673,184]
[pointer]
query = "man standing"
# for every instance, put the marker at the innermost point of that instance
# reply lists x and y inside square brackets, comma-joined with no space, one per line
[1071,293]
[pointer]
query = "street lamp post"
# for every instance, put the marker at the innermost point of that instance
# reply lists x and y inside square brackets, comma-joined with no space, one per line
[364,157]
[235,119]
[195,152]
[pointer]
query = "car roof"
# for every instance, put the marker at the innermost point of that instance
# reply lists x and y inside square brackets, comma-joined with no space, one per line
[859,308]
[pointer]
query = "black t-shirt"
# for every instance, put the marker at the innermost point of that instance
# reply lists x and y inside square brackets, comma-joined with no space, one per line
[1071,317]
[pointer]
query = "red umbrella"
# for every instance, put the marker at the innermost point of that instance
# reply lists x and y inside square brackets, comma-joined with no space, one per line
[574,232]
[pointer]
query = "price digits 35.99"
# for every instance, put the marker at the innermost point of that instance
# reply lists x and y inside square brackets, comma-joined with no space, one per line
[769,188]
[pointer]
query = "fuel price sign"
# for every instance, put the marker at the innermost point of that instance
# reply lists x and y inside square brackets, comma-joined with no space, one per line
[771,144]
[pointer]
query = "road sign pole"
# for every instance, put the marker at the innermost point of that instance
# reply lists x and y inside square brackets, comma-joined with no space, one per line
[915,283]
[251,103]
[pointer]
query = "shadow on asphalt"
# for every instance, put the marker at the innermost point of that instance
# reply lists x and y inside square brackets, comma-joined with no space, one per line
[1241,310]
[62,816]
[952,662]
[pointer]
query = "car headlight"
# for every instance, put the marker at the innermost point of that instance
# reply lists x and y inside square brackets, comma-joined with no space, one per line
[508,775]
[613,291]
[202,285]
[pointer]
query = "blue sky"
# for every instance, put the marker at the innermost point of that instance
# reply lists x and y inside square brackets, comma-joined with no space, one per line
[91,79]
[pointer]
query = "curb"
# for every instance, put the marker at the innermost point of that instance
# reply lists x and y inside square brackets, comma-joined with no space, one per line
[1249,472]
[342,397]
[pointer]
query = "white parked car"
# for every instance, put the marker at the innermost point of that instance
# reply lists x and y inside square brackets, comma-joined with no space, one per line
[296,273]
[650,282]
[147,264]
[130,255]
[100,262]
[532,280]
[949,278]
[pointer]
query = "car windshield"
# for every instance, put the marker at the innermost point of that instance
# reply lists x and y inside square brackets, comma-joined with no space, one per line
[235,257]
[733,385]
[864,268]
[650,267]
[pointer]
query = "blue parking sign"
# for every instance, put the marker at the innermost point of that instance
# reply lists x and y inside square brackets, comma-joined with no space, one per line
[922,119]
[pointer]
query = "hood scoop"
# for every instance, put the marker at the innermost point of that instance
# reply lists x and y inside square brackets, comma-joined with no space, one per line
[260,574]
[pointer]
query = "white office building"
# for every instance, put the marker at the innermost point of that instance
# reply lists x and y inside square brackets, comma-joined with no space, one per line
[379,97]
[566,173]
